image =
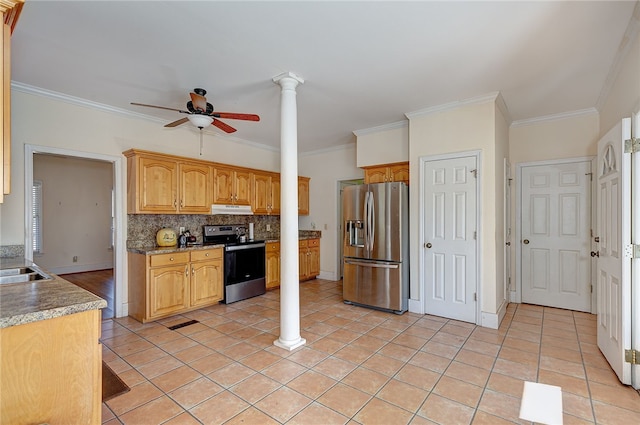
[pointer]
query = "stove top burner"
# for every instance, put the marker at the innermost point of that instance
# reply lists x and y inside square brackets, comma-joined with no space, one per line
[229,235]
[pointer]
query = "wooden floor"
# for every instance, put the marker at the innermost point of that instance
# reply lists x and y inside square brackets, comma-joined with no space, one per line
[99,282]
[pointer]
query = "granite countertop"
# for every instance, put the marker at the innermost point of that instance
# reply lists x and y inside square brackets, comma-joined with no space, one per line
[154,249]
[22,303]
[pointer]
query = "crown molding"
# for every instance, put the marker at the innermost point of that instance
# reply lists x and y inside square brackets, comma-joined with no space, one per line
[554,117]
[61,97]
[490,97]
[379,128]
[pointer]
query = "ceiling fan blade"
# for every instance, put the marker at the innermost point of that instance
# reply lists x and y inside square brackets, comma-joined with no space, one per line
[177,122]
[161,107]
[199,101]
[222,126]
[236,116]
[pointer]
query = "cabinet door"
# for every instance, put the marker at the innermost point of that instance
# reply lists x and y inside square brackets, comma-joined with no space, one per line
[375,175]
[206,282]
[195,188]
[168,289]
[242,187]
[314,258]
[261,193]
[157,186]
[303,196]
[272,263]
[223,186]
[399,173]
[275,195]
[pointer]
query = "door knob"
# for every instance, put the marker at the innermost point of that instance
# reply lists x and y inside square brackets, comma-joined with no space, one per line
[428,245]
[595,254]
[508,243]
[526,241]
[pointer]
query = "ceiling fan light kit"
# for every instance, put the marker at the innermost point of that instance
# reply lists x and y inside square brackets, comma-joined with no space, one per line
[200,121]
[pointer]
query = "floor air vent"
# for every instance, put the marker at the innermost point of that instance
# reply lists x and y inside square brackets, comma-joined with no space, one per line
[182,325]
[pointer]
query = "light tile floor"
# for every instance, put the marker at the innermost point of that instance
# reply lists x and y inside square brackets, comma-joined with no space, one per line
[359,366]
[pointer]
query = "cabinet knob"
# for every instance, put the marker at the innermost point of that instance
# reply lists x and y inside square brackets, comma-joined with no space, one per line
[206,255]
[170,258]
[186,271]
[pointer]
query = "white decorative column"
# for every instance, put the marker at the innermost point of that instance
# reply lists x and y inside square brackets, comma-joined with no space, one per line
[289,280]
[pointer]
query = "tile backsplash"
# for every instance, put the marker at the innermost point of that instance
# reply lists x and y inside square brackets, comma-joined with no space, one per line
[142,228]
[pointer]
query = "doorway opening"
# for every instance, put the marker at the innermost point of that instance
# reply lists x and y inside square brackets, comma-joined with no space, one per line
[70,244]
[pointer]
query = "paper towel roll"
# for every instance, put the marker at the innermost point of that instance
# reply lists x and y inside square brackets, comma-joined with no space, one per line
[250,231]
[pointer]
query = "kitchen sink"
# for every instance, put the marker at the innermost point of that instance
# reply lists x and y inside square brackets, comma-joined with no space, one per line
[22,275]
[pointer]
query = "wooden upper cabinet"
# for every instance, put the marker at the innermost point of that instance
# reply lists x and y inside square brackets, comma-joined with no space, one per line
[396,172]
[157,185]
[10,12]
[231,186]
[195,188]
[164,185]
[303,195]
[266,193]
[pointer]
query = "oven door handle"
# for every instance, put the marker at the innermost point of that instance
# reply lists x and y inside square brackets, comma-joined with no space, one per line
[240,247]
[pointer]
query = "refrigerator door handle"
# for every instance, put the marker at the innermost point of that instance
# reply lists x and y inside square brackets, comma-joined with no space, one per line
[372,221]
[374,265]
[366,220]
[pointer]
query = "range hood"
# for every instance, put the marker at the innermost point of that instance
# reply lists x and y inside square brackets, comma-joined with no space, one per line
[231,209]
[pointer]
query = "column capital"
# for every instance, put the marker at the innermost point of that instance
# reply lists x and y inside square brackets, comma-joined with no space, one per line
[288,78]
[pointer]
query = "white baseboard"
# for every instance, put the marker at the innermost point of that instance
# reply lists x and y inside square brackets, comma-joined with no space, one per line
[416,306]
[328,275]
[493,320]
[79,268]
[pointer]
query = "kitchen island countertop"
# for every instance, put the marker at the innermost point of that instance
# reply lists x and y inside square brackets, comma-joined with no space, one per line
[22,303]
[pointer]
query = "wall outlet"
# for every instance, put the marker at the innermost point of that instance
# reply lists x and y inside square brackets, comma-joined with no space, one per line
[268,227]
[181,229]
[75,258]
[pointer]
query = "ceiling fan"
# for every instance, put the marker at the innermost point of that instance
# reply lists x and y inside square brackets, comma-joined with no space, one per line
[201,113]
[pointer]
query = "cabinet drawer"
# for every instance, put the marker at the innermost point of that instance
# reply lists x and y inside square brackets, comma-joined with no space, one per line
[169,259]
[208,254]
[302,243]
[313,242]
[272,246]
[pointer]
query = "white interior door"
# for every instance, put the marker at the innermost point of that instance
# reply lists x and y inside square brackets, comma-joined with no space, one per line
[556,235]
[450,231]
[614,233]
[507,229]
[635,239]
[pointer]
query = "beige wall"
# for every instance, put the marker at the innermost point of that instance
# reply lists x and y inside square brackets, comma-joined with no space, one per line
[383,145]
[569,137]
[467,128]
[67,126]
[76,219]
[324,200]
[501,154]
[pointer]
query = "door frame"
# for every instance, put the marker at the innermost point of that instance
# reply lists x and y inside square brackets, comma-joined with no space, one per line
[477,154]
[517,294]
[119,211]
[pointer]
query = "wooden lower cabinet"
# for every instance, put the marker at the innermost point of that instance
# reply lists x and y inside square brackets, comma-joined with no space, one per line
[272,264]
[162,285]
[309,258]
[51,371]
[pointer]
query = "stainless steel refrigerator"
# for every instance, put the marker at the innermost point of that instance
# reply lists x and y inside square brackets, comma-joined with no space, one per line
[376,246]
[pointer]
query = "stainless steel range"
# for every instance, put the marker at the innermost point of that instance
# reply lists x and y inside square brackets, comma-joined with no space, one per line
[244,268]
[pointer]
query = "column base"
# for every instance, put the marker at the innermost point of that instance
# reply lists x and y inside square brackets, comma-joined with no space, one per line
[290,345]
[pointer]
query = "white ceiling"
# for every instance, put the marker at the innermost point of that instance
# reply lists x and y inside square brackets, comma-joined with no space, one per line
[365,64]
